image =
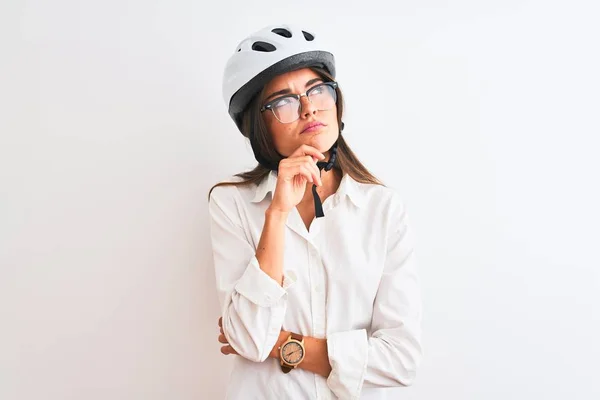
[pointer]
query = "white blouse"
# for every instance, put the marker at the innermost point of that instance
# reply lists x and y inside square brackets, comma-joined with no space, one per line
[351,278]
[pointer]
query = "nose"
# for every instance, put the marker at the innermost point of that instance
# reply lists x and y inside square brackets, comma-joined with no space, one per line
[307,108]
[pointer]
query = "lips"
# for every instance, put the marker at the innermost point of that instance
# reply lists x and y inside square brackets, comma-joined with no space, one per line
[313,126]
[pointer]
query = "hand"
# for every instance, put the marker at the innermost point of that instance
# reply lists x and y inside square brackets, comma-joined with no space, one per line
[293,174]
[225,349]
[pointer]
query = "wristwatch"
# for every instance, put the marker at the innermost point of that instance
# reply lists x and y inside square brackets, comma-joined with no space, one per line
[291,352]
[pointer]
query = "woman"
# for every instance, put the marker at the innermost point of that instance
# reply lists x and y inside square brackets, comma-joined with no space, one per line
[314,259]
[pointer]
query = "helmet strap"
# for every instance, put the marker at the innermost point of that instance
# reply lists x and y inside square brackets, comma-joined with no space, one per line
[326,165]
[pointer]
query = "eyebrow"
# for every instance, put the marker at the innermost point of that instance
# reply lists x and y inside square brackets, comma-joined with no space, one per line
[287,91]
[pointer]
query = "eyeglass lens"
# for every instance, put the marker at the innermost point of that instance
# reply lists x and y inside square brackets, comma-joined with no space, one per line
[287,109]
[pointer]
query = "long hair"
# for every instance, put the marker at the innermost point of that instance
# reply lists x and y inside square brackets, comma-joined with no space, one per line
[254,128]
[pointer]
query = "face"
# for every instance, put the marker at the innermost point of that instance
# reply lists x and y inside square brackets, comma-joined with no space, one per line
[287,137]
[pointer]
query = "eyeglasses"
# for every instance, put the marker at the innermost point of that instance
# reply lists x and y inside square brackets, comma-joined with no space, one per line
[287,108]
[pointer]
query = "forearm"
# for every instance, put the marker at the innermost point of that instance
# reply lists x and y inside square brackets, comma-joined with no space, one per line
[269,252]
[316,358]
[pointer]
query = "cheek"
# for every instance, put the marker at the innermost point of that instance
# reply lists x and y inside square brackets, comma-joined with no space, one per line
[332,120]
[280,135]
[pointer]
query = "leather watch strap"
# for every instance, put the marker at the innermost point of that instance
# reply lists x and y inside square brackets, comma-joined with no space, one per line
[285,369]
[297,337]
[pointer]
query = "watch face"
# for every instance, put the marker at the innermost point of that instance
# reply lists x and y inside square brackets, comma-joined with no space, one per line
[292,353]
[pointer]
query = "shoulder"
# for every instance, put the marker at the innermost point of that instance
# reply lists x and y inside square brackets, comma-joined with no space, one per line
[384,206]
[226,193]
[380,197]
[223,201]
[222,189]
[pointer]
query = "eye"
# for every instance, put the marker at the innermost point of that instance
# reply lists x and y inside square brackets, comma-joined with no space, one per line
[319,89]
[283,102]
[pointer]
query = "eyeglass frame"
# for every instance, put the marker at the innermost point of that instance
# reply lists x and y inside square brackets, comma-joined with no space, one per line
[269,105]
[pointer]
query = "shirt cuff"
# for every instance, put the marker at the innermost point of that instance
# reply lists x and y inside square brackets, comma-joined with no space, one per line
[260,288]
[348,355]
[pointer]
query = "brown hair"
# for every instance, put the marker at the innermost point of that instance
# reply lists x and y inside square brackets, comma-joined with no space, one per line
[252,123]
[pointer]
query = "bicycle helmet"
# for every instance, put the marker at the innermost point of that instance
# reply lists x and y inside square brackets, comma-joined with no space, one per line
[260,57]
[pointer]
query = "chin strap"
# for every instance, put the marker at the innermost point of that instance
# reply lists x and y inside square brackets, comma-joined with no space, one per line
[327,165]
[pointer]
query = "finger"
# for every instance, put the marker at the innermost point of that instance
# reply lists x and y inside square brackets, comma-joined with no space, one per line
[316,173]
[223,339]
[221,330]
[307,173]
[291,162]
[311,167]
[289,171]
[306,150]
[228,350]
[302,159]
[221,322]
[288,163]
[307,161]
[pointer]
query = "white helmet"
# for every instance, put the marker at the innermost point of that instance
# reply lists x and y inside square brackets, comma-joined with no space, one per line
[265,54]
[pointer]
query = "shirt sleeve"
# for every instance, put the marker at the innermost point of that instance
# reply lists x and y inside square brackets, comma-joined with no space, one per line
[252,303]
[391,354]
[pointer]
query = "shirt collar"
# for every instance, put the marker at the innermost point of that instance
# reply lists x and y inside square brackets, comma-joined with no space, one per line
[348,187]
[266,186]
[351,188]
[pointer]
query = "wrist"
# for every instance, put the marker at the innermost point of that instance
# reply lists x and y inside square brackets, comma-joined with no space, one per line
[283,335]
[276,215]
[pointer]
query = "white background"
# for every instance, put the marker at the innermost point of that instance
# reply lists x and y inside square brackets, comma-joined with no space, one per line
[484,115]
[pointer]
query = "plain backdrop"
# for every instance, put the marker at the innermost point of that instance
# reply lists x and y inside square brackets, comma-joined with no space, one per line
[482,114]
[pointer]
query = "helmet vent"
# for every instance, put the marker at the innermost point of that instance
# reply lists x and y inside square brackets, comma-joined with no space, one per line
[263,46]
[308,36]
[282,32]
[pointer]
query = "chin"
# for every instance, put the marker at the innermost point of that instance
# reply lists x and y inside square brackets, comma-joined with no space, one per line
[322,141]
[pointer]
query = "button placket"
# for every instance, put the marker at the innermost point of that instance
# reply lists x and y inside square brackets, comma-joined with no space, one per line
[317,292]
[317,295]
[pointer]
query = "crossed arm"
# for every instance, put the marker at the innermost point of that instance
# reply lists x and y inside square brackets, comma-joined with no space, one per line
[316,358]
